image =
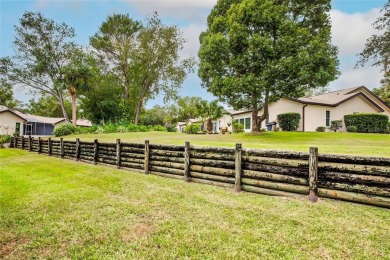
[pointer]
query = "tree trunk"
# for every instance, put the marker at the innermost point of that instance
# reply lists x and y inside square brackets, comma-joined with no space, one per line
[61,101]
[138,111]
[255,127]
[72,91]
[265,110]
[209,125]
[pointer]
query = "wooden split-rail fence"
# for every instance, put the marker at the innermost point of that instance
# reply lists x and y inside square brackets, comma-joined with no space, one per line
[363,180]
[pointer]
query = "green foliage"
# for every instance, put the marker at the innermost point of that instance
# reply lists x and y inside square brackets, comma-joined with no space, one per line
[320,129]
[238,128]
[64,129]
[42,49]
[335,125]
[7,95]
[192,129]
[110,128]
[47,105]
[133,128]
[383,92]
[210,111]
[377,50]
[146,55]
[367,122]
[257,51]
[159,128]
[289,121]
[352,129]
[5,139]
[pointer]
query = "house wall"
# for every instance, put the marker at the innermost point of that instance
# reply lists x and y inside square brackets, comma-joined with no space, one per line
[223,122]
[8,123]
[380,104]
[243,115]
[283,106]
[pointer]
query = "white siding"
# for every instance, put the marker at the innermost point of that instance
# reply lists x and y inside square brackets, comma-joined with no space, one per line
[8,123]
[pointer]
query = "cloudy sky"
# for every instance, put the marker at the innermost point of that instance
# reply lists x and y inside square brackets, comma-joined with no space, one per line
[351,26]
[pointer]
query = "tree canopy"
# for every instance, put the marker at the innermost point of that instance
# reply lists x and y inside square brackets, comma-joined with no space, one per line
[42,48]
[377,51]
[257,51]
[145,57]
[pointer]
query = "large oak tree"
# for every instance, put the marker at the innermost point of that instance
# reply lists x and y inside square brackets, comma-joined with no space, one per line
[257,51]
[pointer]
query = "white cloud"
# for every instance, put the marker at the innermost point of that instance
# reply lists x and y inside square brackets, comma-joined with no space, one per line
[367,76]
[191,34]
[350,31]
[189,10]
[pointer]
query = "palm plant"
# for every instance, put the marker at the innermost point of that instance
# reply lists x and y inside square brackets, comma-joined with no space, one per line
[210,111]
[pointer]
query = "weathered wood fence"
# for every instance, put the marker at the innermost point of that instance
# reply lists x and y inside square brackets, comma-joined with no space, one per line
[363,180]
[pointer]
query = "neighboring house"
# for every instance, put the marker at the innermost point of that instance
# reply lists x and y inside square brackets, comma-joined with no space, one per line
[10,122]
[322,109]
[13,121]
[181,126]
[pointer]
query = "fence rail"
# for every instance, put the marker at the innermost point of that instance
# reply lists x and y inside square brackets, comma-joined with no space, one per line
[363,180]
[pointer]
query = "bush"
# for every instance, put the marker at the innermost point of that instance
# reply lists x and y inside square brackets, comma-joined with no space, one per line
[65,129]
[133,128]
[289,121]
[143,128]
[352,129]
[159,128]
[5,139]
[320,129]
[335,125]
[110,128]
[192,129]
[367,122]
[238,128]
[121,129]
[99,130]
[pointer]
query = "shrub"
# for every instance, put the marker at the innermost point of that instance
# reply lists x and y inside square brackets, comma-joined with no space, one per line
[65,129]
[5,139]
[238,128]
[320,129]
[110,128]
[121,129]
[335,125]
[143,128]
[352,129]
[159,128]
[99,130]
[192,129]
[133,128]
[367,122]
[289,121]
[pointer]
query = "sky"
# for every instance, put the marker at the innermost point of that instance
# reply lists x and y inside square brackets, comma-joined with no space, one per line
[351,26]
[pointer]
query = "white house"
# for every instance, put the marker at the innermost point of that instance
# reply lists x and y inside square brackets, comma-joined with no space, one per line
[13,121]
[322,109]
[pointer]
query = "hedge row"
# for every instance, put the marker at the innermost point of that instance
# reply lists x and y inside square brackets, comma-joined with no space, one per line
[367,122]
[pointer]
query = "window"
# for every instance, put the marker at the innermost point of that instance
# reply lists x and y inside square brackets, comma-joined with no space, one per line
[327,118]
[247,123]
[17,129]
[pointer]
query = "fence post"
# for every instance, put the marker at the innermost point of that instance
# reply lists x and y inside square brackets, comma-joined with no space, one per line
[30,140]
[118,153]
[49,146]
[313,174]
[147,156]
[62,152]
[187,162]
[237,168]
[95,150]
[22,143]
[77,149]
[39,145]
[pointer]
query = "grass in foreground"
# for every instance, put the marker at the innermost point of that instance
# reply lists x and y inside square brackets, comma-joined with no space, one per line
[53,208]
[330,143]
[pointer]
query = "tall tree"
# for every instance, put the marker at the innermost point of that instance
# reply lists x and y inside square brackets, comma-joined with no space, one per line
[42,47]
[145,57]
[77,75]
[257,51]
[210,111]
[377,50]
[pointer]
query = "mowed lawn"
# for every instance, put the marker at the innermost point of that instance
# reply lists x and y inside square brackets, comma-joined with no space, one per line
[53,208]
[330,143]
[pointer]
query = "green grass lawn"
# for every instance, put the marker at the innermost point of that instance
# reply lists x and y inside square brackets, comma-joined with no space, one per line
[53,208]
[331,143]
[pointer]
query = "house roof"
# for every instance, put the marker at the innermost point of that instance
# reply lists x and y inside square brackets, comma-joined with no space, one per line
[338,97]
[83,122]
[12,111]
